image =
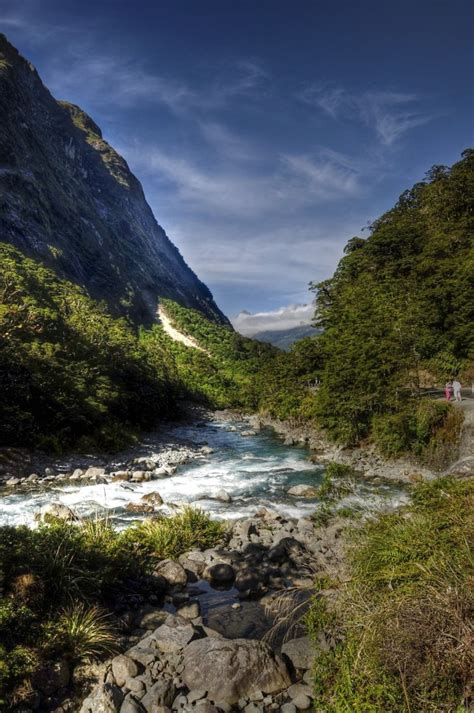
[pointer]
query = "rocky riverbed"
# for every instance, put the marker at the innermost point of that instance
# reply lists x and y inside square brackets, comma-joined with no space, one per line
[242,650]
[218,630]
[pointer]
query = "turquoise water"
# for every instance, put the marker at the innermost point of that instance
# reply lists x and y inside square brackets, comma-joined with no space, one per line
[255,471]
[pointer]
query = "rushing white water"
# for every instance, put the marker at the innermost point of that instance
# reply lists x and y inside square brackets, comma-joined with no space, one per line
[255,471]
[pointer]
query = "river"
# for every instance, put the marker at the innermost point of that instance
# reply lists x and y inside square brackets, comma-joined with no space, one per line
[254,470]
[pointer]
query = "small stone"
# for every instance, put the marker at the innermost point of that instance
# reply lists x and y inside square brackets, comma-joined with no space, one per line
[196,695]
[162,693]
[190,610]
[302,702]
[135,685]
[288,708]
[11,482]
[131,705]
[299,651]
[252,708]
[299,689]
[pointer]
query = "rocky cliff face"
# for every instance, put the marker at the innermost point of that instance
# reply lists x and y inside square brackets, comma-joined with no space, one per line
[68,199]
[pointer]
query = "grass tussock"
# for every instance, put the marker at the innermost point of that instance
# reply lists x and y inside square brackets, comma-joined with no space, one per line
[405,621]
[62,584]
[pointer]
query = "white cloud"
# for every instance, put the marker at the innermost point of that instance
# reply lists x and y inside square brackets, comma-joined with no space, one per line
[389,114]
[278,319]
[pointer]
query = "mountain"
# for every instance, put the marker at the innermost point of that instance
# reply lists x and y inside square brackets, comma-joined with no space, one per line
[69,200]
[284,338]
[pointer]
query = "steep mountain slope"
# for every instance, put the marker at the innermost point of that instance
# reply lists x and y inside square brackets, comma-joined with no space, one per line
[70,201]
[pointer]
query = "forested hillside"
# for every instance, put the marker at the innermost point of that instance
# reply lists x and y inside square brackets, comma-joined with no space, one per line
[399,310]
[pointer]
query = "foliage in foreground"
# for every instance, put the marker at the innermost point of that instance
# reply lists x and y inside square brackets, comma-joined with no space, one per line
[405,622]
[62,583]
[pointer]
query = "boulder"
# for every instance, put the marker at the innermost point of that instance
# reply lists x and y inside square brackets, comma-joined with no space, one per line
[153,498]
[94,473]
[104,699]
[139,507]
[303,491]
[76,474]
[231,669]
[173,572]
[300,652]
[123,667]
[220,573]
[55,511]
[121,475]
[223,496]
[138,476]
[172,636]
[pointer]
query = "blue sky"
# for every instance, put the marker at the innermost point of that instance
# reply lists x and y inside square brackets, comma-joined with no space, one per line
[265,133]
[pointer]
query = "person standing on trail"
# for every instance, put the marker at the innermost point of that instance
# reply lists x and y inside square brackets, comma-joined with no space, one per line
[448,390]
[457,390]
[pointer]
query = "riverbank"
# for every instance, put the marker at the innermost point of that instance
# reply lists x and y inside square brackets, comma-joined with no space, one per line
[365,459]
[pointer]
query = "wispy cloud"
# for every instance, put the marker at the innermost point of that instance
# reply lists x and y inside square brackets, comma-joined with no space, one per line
[279,184]
[389,114]
[125,81]
[283,318]
[325,177]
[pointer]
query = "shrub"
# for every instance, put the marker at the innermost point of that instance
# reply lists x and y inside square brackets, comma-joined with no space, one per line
[169,537]
[428,429]
[83,632]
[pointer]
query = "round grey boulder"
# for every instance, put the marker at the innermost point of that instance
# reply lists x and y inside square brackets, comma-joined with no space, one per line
[231,669]
[173,572]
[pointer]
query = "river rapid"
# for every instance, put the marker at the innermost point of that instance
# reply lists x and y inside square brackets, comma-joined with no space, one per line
[255,471]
